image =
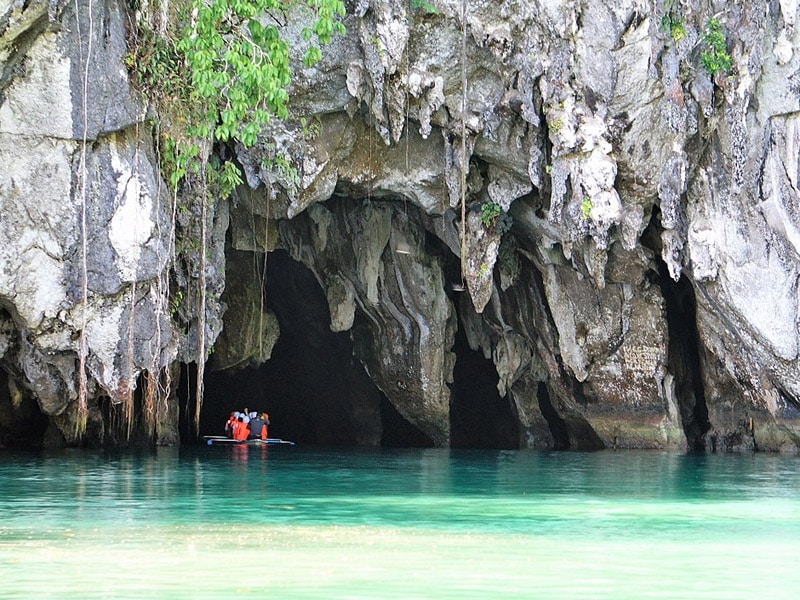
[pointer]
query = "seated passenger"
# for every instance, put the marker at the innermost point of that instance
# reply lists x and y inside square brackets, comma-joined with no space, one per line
[229,424]
[240,430]
[257,427]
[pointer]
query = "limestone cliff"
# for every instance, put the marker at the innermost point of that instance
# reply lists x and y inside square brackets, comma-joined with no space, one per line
[630,232]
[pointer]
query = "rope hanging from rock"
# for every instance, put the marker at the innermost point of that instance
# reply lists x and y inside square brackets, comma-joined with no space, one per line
[463,139]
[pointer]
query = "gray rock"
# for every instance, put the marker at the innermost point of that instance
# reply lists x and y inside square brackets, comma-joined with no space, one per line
[628,171]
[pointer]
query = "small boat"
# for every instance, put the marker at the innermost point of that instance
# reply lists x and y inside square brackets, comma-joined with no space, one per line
[221,439]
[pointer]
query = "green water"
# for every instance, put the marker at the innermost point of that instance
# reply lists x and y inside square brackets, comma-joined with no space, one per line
[303,523]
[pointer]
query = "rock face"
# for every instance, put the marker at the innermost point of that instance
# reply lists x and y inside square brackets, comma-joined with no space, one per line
[83,208]
[628,251]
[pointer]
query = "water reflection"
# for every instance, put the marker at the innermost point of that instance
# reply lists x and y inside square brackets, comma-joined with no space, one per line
[371,523]
[170,484]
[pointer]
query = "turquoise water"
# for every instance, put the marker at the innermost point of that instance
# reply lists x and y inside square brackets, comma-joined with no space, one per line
[308,523]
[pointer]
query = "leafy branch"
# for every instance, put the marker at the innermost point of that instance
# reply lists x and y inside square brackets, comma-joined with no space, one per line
[715,58]
[222,71]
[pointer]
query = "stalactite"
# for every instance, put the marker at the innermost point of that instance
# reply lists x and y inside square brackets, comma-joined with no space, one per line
[408,77]
[156,399]
[201,308]
[149,396]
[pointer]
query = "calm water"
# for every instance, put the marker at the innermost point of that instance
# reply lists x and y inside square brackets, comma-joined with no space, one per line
[297,523]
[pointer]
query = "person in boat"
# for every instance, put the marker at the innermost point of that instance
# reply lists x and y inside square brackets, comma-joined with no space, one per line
[229,423]
[240,431]
[258,426]
[265,418]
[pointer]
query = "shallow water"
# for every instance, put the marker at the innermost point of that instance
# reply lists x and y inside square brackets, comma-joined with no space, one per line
[328,523]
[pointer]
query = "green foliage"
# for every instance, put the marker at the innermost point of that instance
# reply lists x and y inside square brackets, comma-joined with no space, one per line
[310,128]
[175,302]
[327,14]
[586,208]
[222,177]
[376,41]
[671,22]
[492,216]
[221,72]
[677,31]
[287,174]
[715,58]
[238,68]
[489,213]
[424,7]
[178,158]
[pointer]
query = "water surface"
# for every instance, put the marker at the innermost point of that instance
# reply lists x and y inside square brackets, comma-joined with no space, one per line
[327,523]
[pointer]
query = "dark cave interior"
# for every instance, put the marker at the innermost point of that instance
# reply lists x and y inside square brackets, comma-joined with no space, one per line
[317,393]
[684,351]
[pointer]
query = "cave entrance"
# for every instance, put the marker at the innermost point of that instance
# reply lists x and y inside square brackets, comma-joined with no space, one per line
[22,423]
[684,341]
[314,389]
[479,417]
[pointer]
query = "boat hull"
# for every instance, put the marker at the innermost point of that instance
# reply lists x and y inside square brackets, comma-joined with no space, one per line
[211,440]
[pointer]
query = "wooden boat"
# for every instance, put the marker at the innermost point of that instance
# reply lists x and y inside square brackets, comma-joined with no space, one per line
[221,439]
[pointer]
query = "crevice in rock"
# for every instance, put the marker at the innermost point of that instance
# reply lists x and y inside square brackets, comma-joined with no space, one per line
[14,64]
[558,428]
[684,341]
[22,423]
[114,424]
[479,416]
[791,405]
[582,435]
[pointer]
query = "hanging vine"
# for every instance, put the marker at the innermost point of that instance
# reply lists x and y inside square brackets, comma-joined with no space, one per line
[463,232]
[263,278]
[83,408]
[217,73]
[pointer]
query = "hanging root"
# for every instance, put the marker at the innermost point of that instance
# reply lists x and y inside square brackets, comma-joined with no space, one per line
[83,408]
[463,230]
[150,394]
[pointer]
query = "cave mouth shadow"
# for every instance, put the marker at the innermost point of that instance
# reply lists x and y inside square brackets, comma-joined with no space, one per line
[684,350]
[480,418]
[318,393]
[314,389]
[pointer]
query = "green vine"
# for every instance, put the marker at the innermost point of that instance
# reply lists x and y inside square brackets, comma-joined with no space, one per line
[715,58]
[424,7]
[490,211]
[218,74]
[586,208]
[221,72]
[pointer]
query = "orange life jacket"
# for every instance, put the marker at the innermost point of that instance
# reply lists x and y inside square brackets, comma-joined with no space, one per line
[240,430]
[265,430]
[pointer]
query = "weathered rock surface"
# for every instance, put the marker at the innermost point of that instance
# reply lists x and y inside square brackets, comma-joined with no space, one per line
[645,296]
[80,196]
